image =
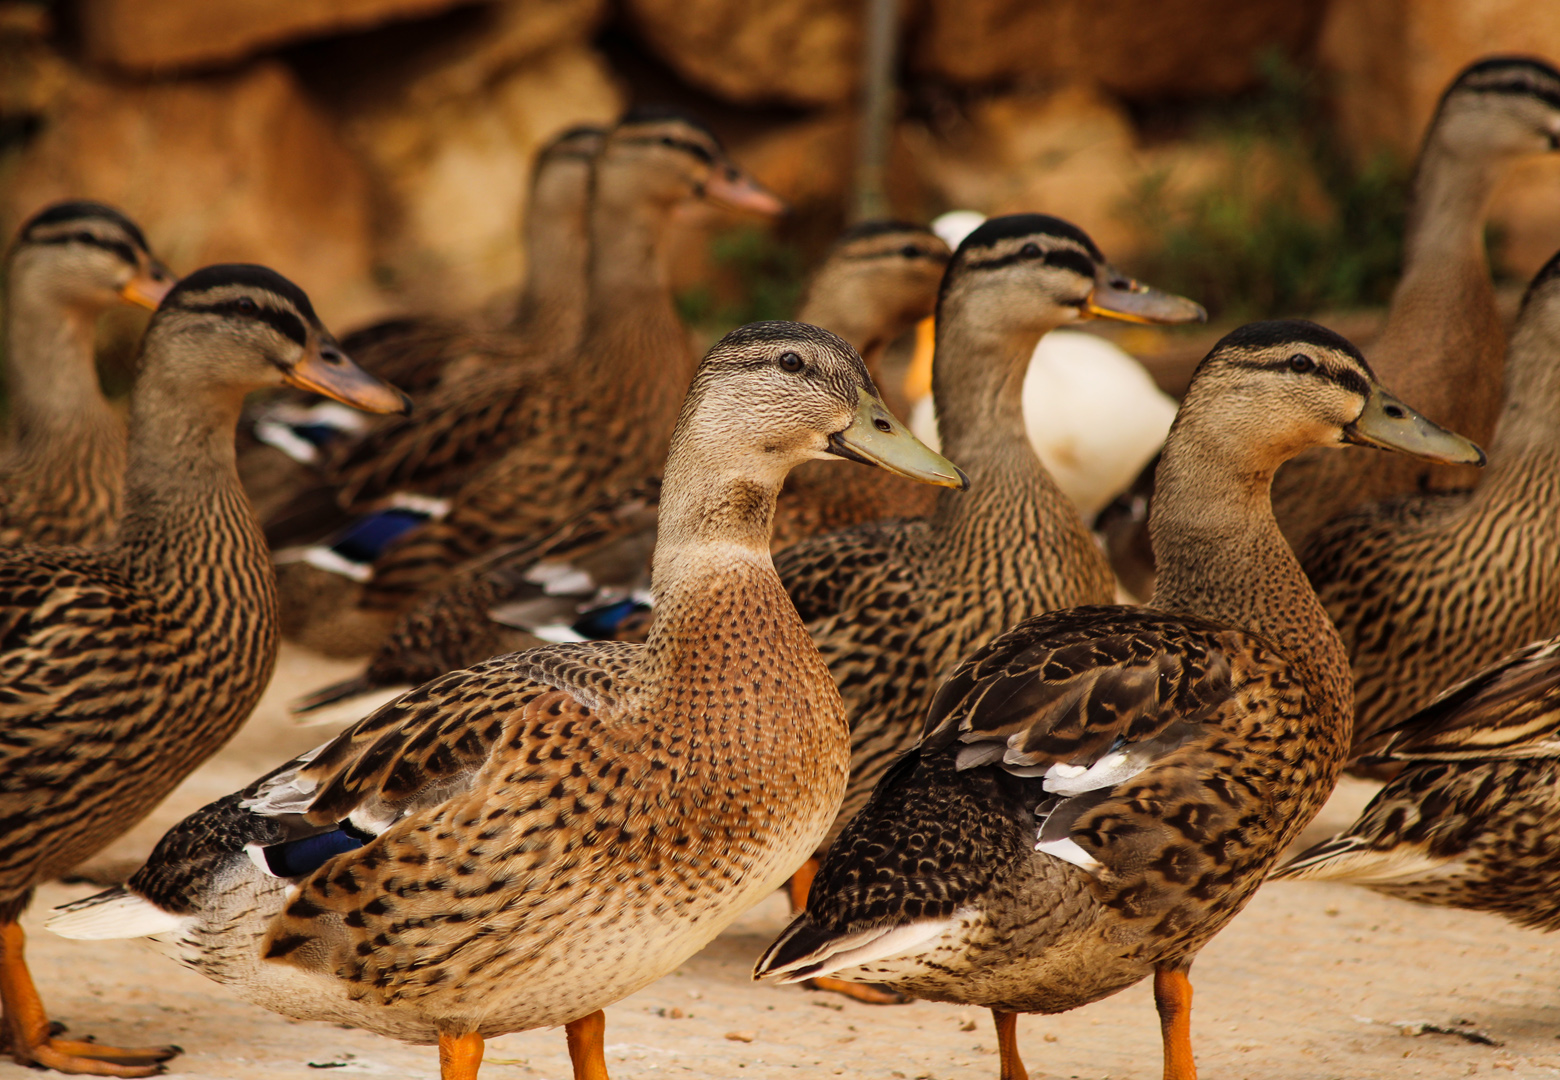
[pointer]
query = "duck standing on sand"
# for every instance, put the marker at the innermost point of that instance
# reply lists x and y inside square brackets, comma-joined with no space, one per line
[519,844]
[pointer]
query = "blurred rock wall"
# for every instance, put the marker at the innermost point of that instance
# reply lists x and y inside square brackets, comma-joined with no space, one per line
[378,150]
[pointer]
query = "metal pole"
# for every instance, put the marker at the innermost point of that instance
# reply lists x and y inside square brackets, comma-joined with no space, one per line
[877,109]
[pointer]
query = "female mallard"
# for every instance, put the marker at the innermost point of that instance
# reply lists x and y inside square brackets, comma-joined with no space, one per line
[62,476]
[893,606]
[123,668]
[514,454]
[1443,345]
[1473,820]
[281,450]
[1101,789]
[1412,582]
[520,844]
[588,578]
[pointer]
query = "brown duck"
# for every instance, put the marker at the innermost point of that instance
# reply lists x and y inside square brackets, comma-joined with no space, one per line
[1101,789]
[521,844]
[62,475]
[893,606]
[121,669]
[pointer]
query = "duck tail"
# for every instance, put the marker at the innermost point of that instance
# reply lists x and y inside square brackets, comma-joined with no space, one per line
[116,913]
[1356,860]
[356,698]
[806,951]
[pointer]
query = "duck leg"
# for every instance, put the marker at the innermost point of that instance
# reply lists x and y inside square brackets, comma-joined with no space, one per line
[30,1037]
[800,885]
[1173,998]
[1007,1046]
[460,1056]
[587,1046]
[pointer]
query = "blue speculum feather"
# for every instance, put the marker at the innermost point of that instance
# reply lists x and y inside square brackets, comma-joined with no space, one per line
[299,858]
[366,539]
[602,622]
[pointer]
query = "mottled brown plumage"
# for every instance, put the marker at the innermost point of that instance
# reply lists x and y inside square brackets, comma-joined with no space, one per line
[1473,819]
[1443,347]
[1426,589]
[538,836]
[62,473]
[122,669]
[893,606]
[876,283]
[1100,789]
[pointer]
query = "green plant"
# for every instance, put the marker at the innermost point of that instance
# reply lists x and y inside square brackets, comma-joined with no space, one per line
[1257,244]
[760,277]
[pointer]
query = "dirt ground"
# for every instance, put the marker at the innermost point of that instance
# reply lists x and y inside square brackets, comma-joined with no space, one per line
[1311,982]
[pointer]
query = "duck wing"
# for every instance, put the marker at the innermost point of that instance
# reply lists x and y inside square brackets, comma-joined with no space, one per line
[1509,710]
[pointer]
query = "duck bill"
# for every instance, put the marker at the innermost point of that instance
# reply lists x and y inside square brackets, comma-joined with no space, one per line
[327,371]
[1388,424]
[876,437]
[1116,296]
[732,188]
[148,288]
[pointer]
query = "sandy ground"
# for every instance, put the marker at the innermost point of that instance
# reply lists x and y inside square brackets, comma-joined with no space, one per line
[1311,982]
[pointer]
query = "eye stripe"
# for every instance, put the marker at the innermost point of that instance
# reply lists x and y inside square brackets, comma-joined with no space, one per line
[119,247]
[283,322]
[1062,258]
[1346,378]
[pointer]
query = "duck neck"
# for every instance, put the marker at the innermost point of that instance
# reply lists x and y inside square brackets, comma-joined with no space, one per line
[552,302]
[720,606]
[632,323]
[49,364]
[1219,550]
[182,492]
[1524,468]
[1443,334]
[978,386]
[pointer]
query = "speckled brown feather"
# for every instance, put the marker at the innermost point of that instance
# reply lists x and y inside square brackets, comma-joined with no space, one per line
[1473,819]
[1427,589]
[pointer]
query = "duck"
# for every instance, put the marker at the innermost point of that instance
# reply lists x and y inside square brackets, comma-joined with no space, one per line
[590,578]
[1443,345]
[1094,413]
[893,606]
[1412,582]
[125,666]
[522,843]
[512,455]
[1100,789]
[1472,820]
[61,476]
[287,439]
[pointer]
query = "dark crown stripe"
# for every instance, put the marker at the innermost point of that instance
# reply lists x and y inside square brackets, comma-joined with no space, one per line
[881,227]
[84,210]
[663,114]
[1522,76]
[693,149]
[244,275]
[1296,334]
[1063,258]
[283,322]
[1009,226]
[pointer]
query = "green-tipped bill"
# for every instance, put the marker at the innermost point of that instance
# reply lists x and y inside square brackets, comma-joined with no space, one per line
[876,437]
[1390,425]
[1117,296]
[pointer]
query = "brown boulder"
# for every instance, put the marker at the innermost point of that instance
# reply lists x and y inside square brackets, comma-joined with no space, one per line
[238,167]
[1390,61]
[1136,48]
[800,52]
[169,34]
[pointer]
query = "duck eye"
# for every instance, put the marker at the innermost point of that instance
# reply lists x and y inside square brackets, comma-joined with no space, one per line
[1030,251]
[1301,364]
[789,361]
[910,251]
[246,305]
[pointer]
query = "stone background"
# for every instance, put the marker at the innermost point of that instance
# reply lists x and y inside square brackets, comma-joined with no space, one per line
[377,150]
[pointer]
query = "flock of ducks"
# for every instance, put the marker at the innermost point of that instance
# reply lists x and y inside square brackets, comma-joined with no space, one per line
[646,649]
